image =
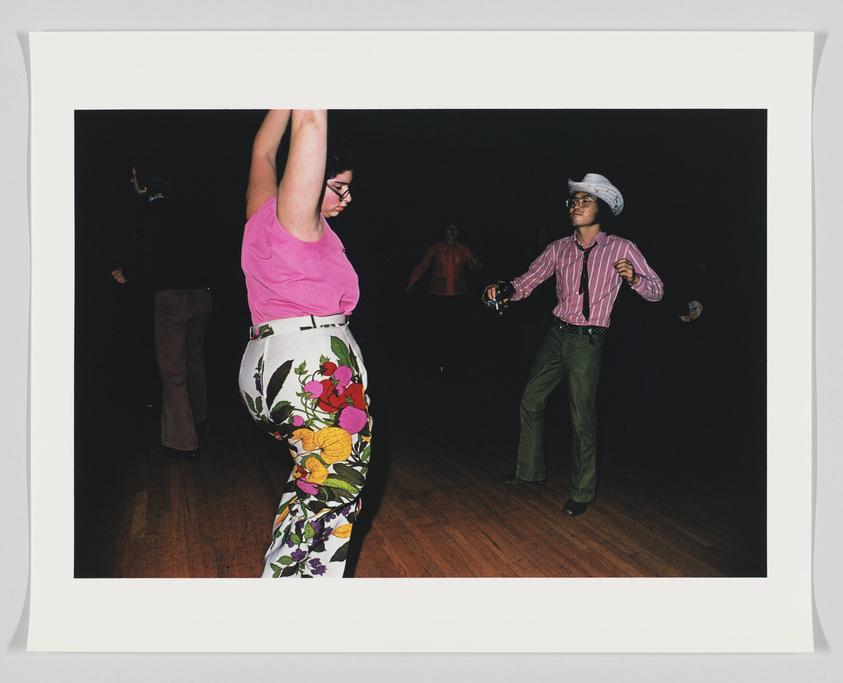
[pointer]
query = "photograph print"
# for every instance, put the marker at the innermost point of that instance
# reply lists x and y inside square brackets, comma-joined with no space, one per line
[390,343]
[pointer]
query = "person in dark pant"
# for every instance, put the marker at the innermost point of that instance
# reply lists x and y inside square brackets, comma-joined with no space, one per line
[590,267]
[168,258]
[448,307]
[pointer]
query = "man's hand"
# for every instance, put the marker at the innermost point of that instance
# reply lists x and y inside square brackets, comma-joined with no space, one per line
[505,288]
[490,295]
[490,292]
[117,274]
[626,271]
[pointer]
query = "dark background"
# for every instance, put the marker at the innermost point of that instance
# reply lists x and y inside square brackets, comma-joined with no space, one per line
[694,184]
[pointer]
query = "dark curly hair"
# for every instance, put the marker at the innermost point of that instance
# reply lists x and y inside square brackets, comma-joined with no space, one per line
[339,160]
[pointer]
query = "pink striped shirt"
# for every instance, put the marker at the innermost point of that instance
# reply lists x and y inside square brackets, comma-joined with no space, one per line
[288,278]
[565,260]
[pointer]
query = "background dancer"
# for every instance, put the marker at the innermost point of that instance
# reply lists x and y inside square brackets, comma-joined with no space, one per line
[168,256]
[448,311]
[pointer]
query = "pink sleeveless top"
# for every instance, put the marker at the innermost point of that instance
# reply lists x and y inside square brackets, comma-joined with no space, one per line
[288,278]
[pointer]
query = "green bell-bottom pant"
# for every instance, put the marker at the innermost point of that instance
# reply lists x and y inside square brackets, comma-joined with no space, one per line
[575,358]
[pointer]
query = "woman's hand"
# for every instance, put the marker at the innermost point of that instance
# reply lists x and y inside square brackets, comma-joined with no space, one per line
[117,274]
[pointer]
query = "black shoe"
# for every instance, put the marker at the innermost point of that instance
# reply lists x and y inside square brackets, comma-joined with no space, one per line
[573,508]
[190,456]
[512,480]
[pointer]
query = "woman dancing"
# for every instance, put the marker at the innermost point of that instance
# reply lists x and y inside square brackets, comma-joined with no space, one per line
[302,375]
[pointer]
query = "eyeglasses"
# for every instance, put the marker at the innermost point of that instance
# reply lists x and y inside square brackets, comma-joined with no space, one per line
[585,202]
[341,195]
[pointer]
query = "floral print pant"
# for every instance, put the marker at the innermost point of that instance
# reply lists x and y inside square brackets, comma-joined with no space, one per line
[307,386]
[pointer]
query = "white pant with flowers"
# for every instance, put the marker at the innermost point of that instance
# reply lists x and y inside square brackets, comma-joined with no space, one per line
[308,387]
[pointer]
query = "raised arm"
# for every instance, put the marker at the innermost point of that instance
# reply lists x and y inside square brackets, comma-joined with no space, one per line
[303,183]
[263,175]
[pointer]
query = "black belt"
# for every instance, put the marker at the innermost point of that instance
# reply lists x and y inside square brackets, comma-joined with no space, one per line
[578,329]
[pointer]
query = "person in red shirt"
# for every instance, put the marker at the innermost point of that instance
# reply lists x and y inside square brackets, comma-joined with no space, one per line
[448,307]
[449,257]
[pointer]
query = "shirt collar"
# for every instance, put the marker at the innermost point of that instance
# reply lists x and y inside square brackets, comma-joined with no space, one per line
[598,238]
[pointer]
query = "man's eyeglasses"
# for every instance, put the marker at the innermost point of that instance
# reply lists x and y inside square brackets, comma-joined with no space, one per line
[585,202]
[336,190]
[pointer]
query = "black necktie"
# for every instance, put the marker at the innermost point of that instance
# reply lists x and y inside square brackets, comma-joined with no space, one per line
[584,279]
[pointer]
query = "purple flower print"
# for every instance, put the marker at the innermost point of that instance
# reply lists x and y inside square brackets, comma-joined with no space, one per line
[307,487]
[343,375]
[316,567]
[314,389]
[298,555]
[353,419]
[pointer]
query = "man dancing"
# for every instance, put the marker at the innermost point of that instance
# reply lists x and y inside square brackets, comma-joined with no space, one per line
[590,267]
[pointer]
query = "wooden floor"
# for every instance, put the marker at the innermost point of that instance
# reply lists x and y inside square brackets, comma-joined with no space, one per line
[432,506]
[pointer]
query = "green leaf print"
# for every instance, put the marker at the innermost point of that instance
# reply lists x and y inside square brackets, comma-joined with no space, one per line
[344,356]
[295,538]
[341,554]
[349,474]
[308,532]
[317,506]
[281,412]
[335,483]
[285,560]
[250,403]
[259,372]
[277,381]
[302,369]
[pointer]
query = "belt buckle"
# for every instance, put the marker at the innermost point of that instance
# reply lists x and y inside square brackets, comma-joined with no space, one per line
[312,326]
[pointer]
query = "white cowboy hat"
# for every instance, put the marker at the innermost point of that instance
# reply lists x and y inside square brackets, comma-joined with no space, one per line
[599,186]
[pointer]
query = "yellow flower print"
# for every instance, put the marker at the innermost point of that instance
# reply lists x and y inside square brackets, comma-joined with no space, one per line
[331,444]
[343,531]
[317,472]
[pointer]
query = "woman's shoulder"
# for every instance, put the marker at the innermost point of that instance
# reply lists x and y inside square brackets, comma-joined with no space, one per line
[265,209]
